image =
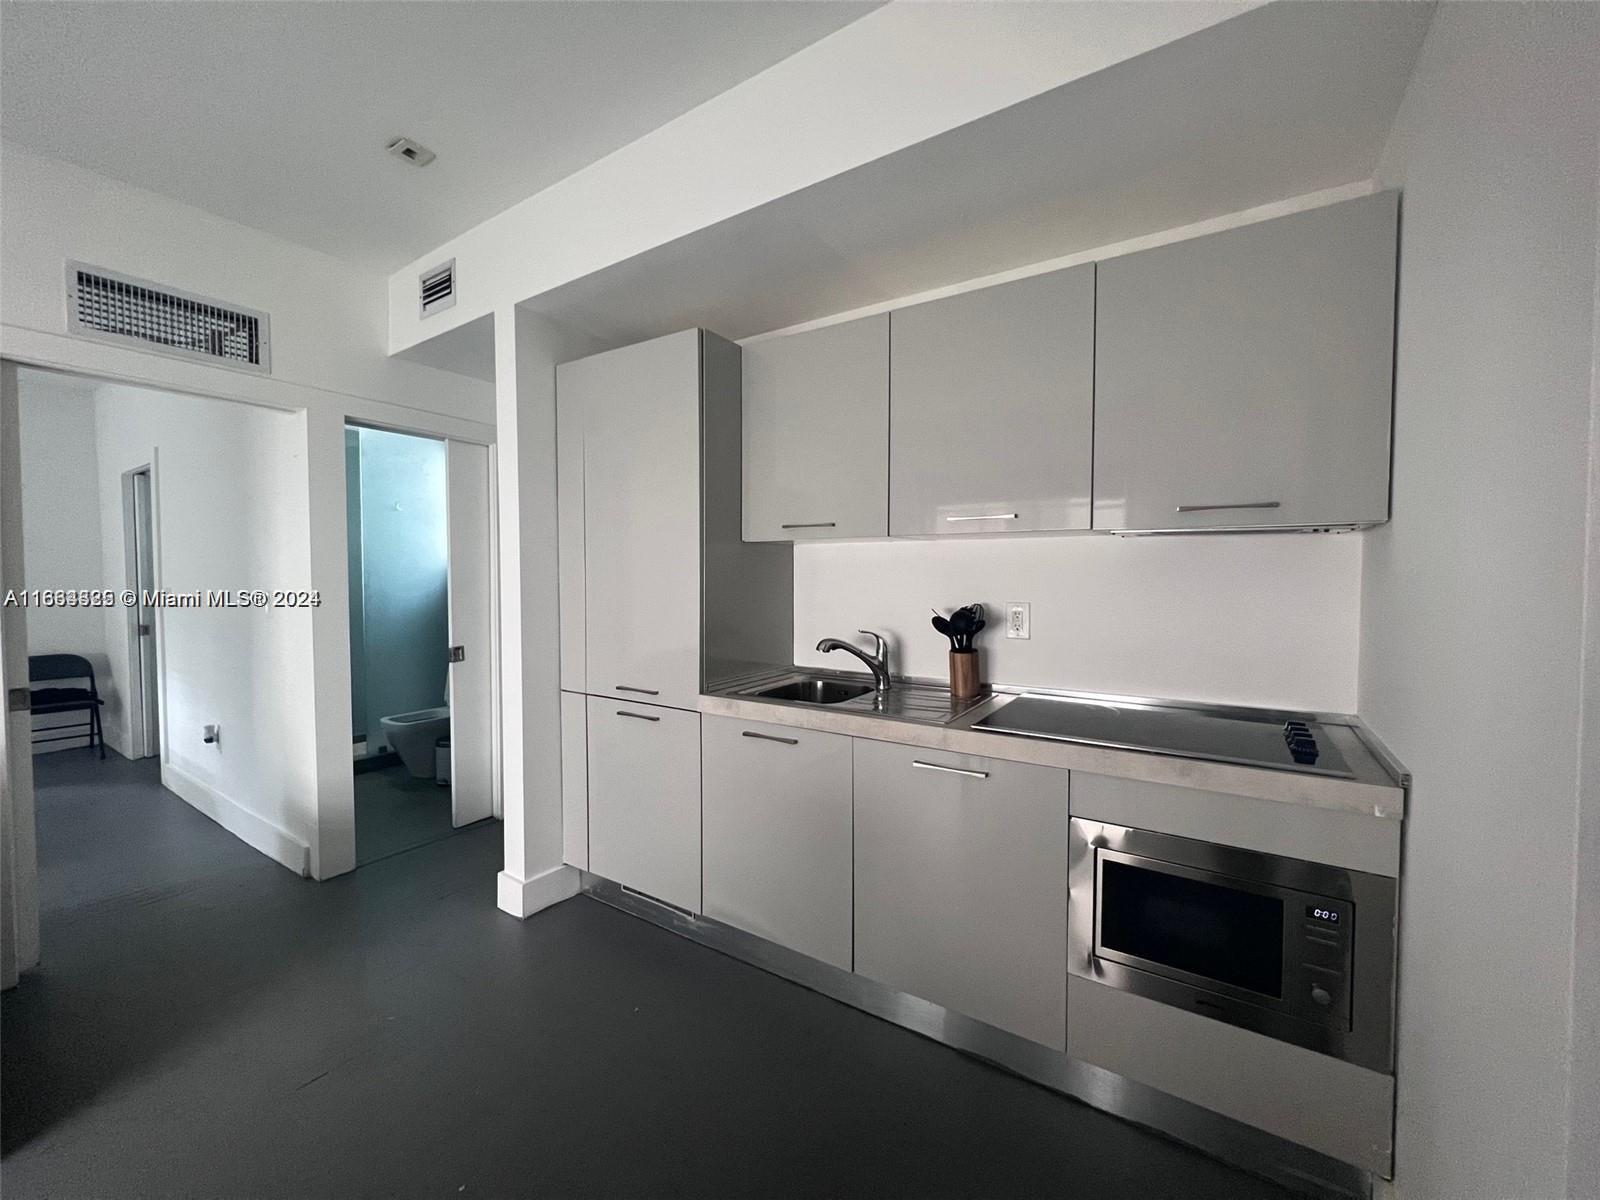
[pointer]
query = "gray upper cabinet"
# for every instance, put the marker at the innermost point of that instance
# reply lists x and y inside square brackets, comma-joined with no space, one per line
[992,413]
[816,428]
[641,518]
[961,884]
[1244,379]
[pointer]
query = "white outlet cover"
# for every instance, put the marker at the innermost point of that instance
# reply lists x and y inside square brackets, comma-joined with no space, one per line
[1017,619]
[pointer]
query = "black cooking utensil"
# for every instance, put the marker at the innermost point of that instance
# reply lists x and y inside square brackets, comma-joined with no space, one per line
[961,627]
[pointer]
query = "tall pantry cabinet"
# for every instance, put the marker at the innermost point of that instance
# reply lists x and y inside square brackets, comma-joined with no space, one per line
[658,593]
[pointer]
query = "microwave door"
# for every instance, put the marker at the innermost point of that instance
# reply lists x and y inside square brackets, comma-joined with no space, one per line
[1191,926]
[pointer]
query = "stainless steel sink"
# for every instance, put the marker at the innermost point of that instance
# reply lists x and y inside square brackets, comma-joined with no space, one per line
[816,691]
[905,701]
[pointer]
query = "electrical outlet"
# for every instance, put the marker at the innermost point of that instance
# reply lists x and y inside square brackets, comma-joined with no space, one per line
[1017,619]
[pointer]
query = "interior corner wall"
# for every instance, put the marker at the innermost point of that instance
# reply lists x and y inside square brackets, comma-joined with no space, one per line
[230,512]
[1473,595]
[61,527]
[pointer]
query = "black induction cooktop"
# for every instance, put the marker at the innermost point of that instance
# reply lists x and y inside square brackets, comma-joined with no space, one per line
[1270,740]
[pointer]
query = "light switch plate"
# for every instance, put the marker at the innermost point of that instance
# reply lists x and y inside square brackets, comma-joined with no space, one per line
[1017,617]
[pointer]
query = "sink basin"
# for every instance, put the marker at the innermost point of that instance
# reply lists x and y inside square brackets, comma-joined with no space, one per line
[817,691]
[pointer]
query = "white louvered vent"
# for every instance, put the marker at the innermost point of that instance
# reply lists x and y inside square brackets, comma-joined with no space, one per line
[438,288]
[111,307]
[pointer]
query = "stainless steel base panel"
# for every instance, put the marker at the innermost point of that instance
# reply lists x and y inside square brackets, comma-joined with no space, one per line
[1231,1141]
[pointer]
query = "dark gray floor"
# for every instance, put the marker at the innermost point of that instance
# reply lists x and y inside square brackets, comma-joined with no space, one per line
[205,1024]
[396,812]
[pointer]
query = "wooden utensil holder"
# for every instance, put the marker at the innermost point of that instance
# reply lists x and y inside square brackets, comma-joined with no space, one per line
[964,683]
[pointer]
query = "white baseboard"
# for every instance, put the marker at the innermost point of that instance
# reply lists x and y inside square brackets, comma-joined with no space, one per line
[524,897]
[257,832]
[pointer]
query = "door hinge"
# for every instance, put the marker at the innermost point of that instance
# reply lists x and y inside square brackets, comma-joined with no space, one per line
[144,630]
[458,654]
[19,700]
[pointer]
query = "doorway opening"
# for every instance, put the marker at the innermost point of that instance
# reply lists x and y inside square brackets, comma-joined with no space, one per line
[417,514]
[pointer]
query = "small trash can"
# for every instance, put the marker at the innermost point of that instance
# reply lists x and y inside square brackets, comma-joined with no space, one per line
[441,762]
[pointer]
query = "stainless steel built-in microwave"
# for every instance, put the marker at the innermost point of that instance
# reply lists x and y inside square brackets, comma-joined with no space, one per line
[1295,950]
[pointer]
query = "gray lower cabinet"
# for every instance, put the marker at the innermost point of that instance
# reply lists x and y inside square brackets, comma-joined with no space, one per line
[776,802]
[644,799]
[992,421]
[816,434]
[961,884]
[1244,379]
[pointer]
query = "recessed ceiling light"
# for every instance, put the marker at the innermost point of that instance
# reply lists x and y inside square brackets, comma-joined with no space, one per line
[410,151]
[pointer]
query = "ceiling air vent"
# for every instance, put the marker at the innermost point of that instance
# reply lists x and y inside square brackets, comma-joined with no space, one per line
[117,308]
[438,288]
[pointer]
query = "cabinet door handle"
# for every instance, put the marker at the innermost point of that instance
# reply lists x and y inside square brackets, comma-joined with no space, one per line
[810,525]
[986,517]
[622,687]
[928,766]
[1226,507]
[636,716]
[767,737]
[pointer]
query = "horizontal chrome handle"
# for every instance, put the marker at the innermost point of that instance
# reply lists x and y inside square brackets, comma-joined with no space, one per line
[986,517]
[767,737]
[928,766]
[636,716]
[811,525]
[622,687]
[1226,507]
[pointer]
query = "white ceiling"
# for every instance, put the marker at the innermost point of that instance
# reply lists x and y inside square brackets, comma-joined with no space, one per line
[1279,102]
[276,115]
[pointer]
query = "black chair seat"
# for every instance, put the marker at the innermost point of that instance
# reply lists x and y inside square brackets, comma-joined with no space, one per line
[44,699]
[53,668]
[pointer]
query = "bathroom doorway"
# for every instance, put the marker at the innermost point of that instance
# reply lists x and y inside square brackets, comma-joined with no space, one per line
[421,691]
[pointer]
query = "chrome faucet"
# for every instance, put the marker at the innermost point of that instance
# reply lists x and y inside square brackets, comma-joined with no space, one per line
[877,662]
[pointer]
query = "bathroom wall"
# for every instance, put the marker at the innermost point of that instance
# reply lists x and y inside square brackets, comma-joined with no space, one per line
[398,663]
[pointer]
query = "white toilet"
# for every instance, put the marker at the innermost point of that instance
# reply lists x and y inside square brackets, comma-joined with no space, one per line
[412,736]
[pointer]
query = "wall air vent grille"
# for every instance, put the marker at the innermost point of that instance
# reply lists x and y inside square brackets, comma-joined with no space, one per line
[438,288]
[117,308]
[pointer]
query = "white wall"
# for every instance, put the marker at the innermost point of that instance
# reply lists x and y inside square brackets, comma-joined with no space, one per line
[328,316]
[1473,595]
[61,525]
[1261,619]
[230,512]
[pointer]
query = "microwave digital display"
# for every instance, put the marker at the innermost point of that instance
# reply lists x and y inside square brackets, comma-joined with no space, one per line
[1328,916]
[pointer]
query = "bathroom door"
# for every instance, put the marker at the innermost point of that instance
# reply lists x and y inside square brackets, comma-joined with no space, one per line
[472,666]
